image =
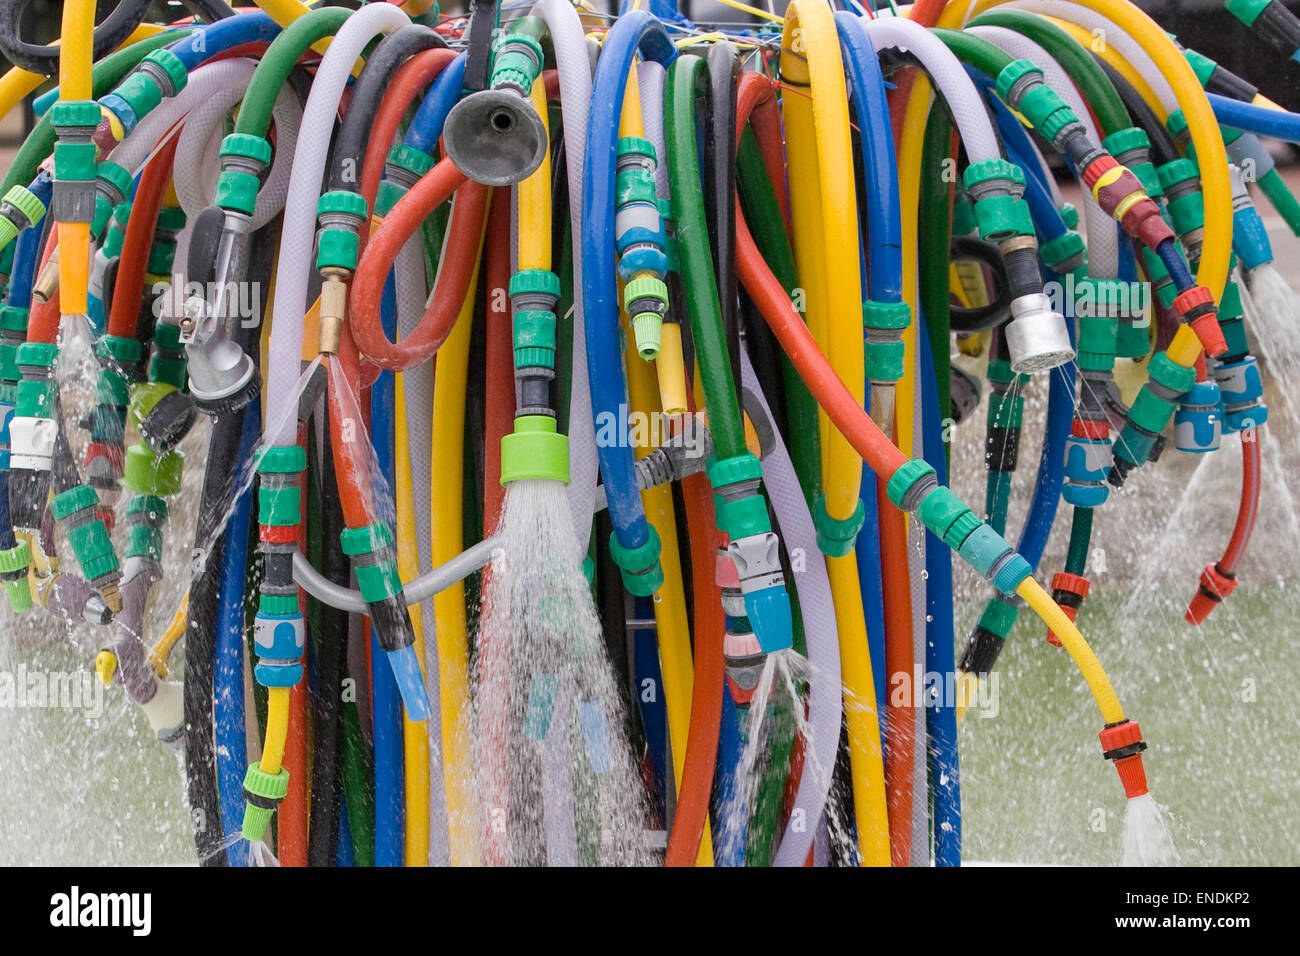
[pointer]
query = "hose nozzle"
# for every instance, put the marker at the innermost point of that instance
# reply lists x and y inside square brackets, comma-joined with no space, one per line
[495,137]
[1123,743]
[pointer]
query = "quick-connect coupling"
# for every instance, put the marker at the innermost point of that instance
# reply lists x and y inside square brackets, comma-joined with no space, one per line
[1088,460]
[374,560]
[642,573]
[1197,426]
[743,659]
[1195,308]
[641,242]
[533,295]
[754,549]
[263,793]
[1068,591]
[1249,237]
[13,574]
[1181,181]
[113,185]
[75,511]
[1122,743]
[402,169]
[340,215]
[33,432]
[160,75]
[146,517]
[244,158]
[1271,21]
[1243,394]
[686,452]
[1119,191]
[19,209]
[915,488]
[1065,255]
[1131,148]
[883,350]
[1149,414]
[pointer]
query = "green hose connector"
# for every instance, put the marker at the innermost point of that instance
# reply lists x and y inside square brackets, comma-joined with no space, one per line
[1066,254]
[999,618]
[516,62]
[402,170]
[146,515]
[147,473]
[998,187]
[113,184]
[1181,181]
[535,449]
[243,158]
[836,537]
[262,795]
[13,571]
[279,499]
[1231,314]
[116,236]
[642,573]
[1131,147]
[167,362]
[645,299]
[533,294]
[1020,85]
[87,534]
[20,209]
[374,559]
[883,350]
[340,213]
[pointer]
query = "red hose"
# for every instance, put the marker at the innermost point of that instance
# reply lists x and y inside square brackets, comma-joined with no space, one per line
[134,263]
[43,322]
[460,251]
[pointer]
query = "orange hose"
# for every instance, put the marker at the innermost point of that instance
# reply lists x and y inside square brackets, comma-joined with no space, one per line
[461,252]
[134,263]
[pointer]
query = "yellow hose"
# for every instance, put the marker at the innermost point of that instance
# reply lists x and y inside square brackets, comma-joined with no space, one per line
[76,55]
[1216,252]
[1051,614]
[277,729]
[447,494]
[535,200]
[824,215]
[415,738]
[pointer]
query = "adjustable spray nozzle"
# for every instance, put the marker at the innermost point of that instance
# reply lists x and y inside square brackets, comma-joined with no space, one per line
[1216,586]
[494,136]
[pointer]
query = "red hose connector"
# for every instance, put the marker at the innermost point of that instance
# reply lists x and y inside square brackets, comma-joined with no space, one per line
[1195,306]
[1123,744]
[1068,590]
[1216,585]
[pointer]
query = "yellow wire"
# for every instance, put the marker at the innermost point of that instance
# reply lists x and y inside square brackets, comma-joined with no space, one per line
[1216,252]
[824,215]
[753,11]
[1042,604]
[447,495]
[671,622]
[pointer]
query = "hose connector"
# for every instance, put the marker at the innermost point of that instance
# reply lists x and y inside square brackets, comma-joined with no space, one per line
[13,573]
[20,209]
[641,241]
[263,793]
[1215,587]
[1122,743]
[33,432]
[642,573]
[374,560]
[75,509]
[1068,591]
[1197,426]
[1243,394]
[883,350]
[1149,414]
[754,548]
[160,75]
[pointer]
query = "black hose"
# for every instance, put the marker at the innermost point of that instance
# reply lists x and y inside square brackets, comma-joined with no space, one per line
[331,649]
[720,185]
[37,58]
[1163,149]
[209,10]
[367,92]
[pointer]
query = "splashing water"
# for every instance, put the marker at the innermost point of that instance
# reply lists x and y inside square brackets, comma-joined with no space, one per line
[1146,839]
[558,780]
[259,854]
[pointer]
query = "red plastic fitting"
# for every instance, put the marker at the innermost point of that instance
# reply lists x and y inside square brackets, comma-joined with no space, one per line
[1097,168]
[1123,744]
[1196,307]
[1068,591]
[1216,585]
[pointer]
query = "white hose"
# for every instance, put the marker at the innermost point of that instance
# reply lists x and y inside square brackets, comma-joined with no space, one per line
[298,234]
[198,153]
[1112,34]
[947,73]
[1103,237]
[650,77]
[574,69]
[204,83]
[818,609]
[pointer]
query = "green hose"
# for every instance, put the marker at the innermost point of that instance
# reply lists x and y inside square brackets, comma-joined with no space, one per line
[1079,63]
[976,52]
[934,223]
[1076,559]
[279,60]
[696,259]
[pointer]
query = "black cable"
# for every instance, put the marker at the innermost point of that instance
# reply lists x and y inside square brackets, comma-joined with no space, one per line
[354,132]
[37,58]
[720,185]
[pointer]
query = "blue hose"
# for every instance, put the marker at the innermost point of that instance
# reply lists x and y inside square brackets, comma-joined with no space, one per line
[426,125]
[228,677]
[1260,120]
[254,27]
[654,716]
[879,165]
[732,816]
[941,725]
[637,29]
[386,702]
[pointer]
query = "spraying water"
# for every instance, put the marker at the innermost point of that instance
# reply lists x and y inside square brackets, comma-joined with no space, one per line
[1146,839]
[549,713]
